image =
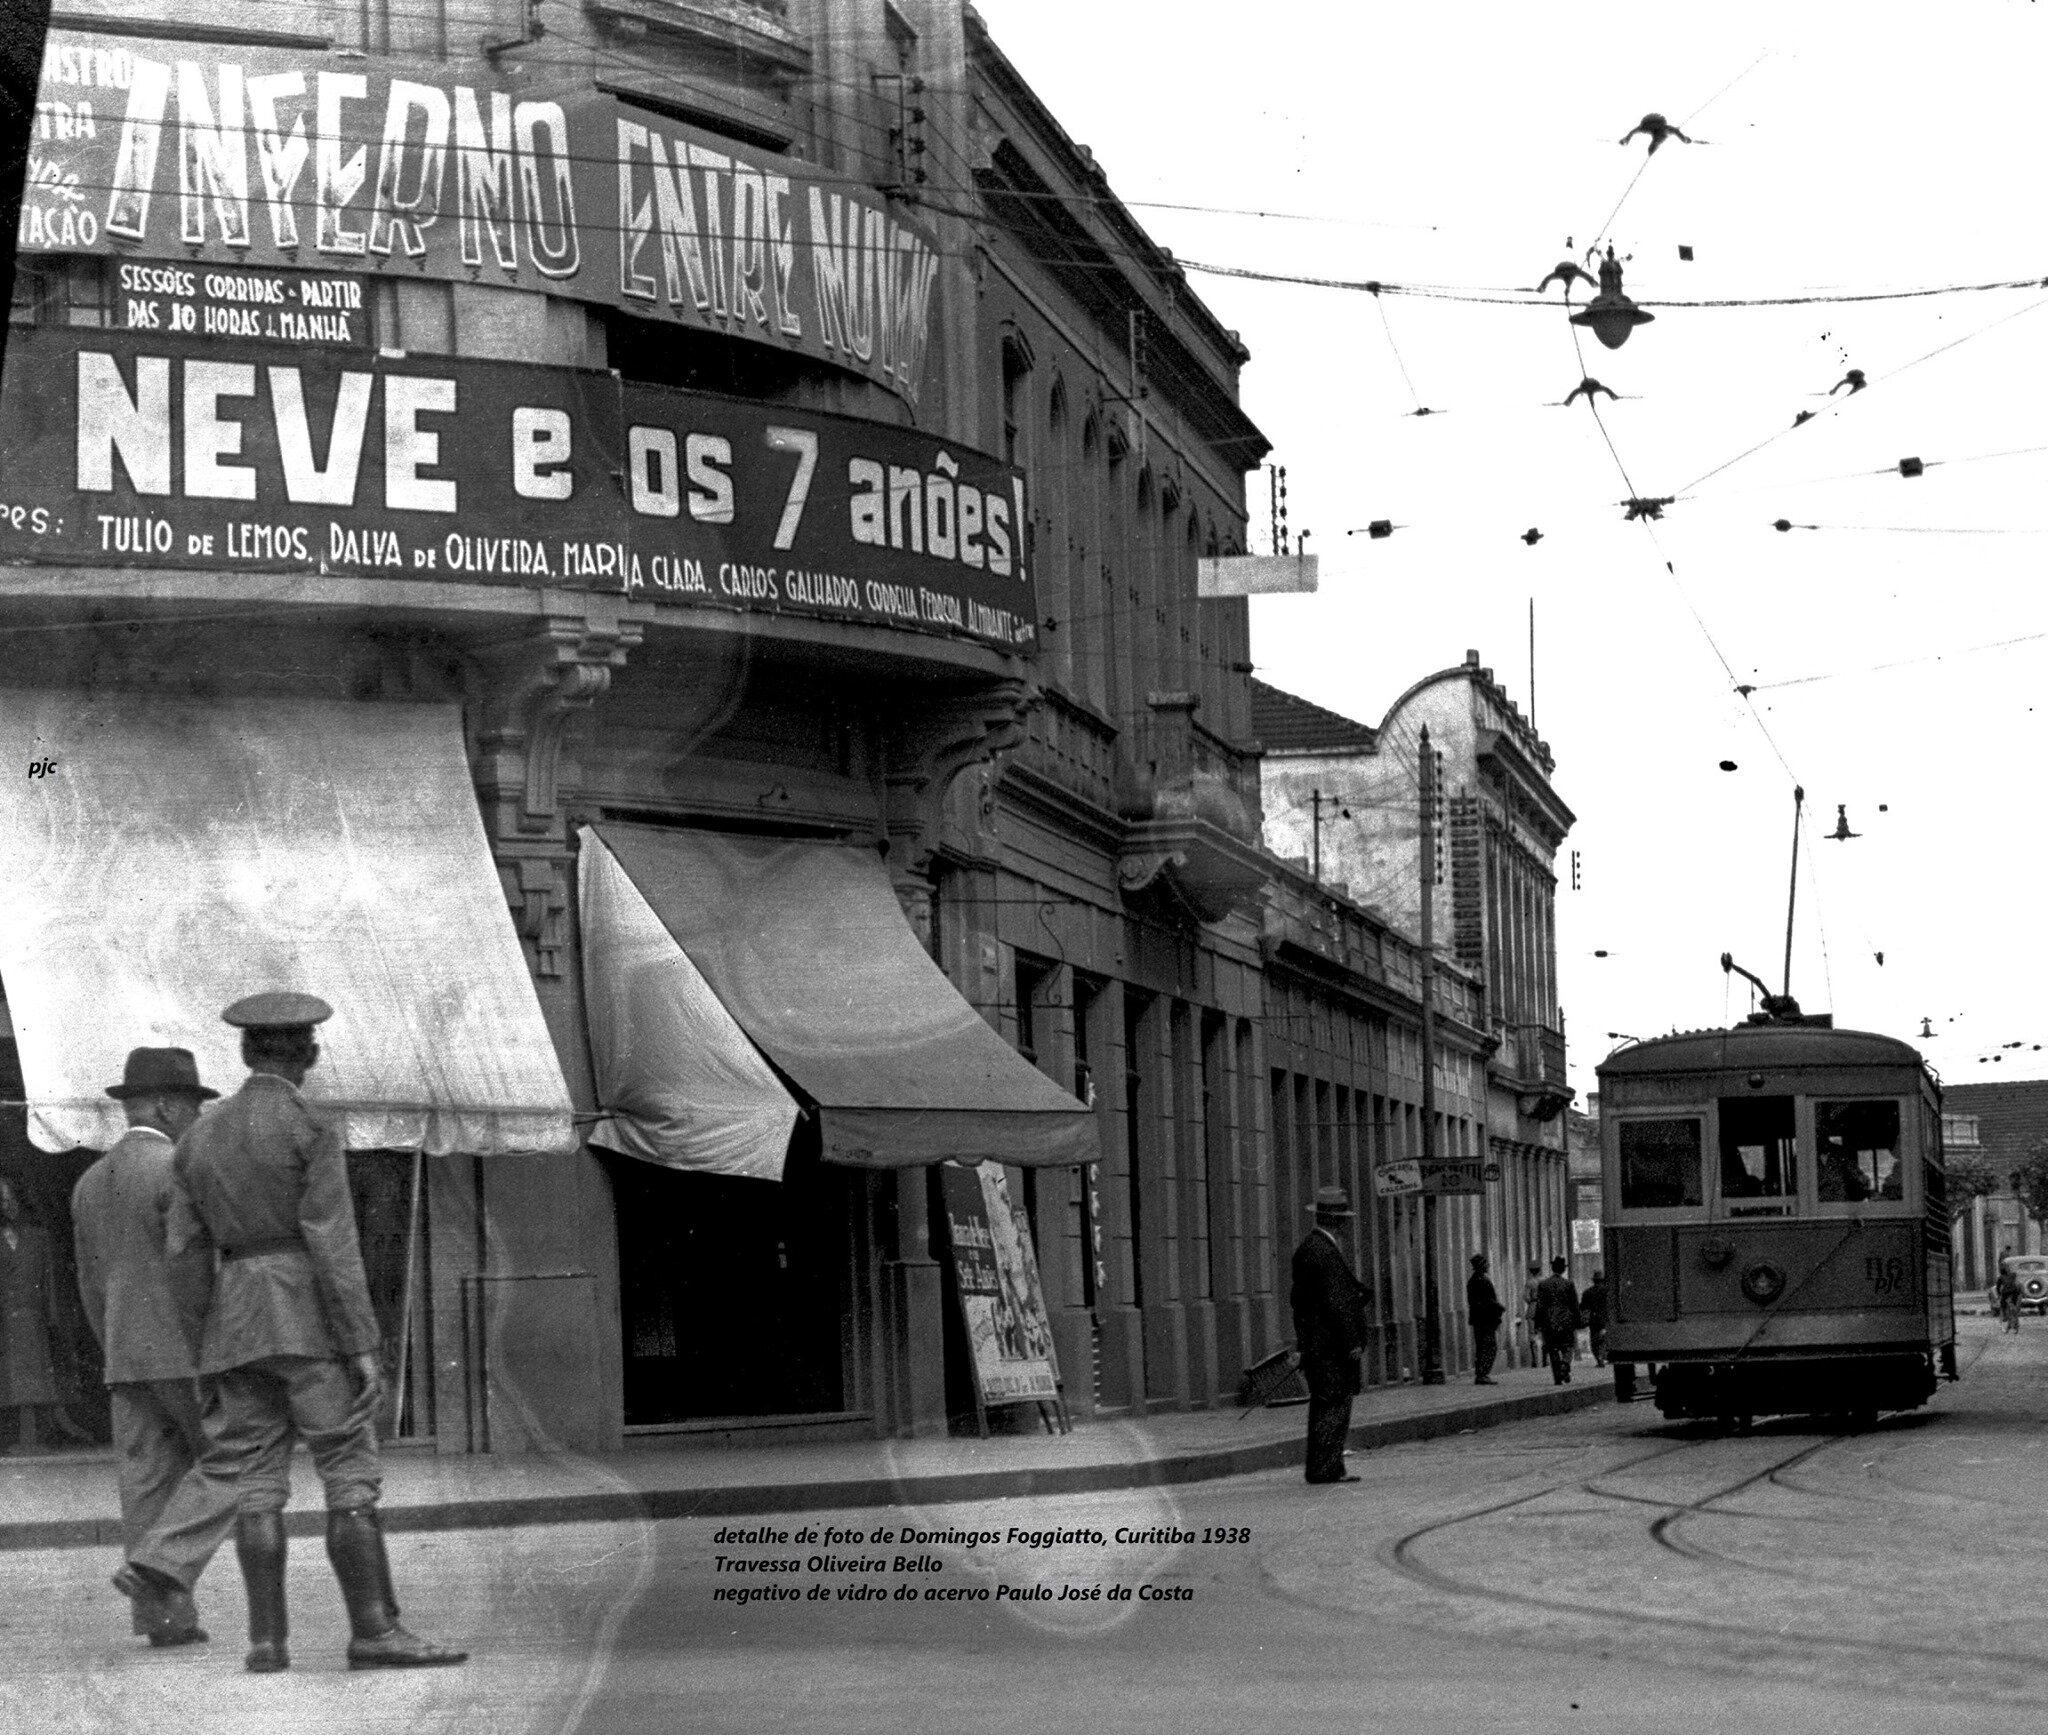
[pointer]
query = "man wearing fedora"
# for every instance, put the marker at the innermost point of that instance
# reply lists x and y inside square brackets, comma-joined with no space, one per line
[117,1211]
[1329,1330]
[288,1343]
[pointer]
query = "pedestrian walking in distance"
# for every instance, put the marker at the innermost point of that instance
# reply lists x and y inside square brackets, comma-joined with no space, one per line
[1593,1308]
[1529,1288]
[1557,1317]
[2009,1297]
[1483,1309]
[1329,1329]
[117,1212]
[288,1344]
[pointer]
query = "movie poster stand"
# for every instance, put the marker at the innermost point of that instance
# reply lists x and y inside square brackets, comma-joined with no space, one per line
[1002,1308]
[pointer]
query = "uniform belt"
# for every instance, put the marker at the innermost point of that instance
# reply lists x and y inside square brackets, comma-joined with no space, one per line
[276,1244]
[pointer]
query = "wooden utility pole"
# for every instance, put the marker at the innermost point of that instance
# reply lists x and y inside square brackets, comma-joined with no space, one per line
[1432,1305]
[1315,863]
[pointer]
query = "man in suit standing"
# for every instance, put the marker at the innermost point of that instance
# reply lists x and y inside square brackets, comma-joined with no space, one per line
[1329,1329]
[117,1213]
[288,1341]
[1557,1317]
[1483,1309]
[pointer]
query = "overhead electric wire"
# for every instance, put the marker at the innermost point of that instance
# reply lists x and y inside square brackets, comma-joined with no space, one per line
[1900,663]
[1871,385]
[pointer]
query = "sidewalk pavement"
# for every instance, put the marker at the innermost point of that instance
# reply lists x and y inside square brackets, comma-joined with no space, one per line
[67,1499]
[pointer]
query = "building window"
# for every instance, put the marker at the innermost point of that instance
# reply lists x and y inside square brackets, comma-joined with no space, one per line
[1017,359]
[1960,1131]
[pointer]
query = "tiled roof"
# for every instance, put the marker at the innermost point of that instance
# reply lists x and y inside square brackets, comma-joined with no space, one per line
[1282,723]
[2011,1118]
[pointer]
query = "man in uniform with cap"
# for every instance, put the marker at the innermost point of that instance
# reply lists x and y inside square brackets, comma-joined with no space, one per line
[117,1211]
[1329,1330]
[288,1344]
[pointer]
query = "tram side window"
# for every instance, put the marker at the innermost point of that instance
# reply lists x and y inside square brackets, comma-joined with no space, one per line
[1758,1139]
[1660,1164]
[1858,1152]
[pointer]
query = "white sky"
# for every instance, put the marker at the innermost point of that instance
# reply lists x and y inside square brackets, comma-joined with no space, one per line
[1873,147]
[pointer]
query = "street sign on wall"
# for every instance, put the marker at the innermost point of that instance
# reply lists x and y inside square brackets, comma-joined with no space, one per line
[124,449]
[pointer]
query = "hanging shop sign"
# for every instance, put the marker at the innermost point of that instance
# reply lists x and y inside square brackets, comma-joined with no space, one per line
[1447,1175]
[1397,1179]
[264,158]
[118,449]
[1001,1305]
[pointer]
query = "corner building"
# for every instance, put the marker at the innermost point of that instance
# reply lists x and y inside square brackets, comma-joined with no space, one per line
[646,552]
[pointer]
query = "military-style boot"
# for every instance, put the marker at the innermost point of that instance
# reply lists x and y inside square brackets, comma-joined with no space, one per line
[259,1547]
[163,1609]
[355,1549]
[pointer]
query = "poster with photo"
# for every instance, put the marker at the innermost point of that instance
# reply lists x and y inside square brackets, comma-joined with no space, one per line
[1000,1301]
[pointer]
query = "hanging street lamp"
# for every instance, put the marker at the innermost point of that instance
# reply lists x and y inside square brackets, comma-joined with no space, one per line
[1610,314]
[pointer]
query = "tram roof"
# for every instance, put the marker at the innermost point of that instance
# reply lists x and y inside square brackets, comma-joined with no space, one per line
[1748,1047]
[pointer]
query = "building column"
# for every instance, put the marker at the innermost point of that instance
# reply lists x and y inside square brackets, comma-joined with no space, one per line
[921,752]
[536,1262]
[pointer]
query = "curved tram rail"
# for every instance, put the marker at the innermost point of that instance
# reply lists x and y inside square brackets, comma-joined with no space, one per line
[1763,1639]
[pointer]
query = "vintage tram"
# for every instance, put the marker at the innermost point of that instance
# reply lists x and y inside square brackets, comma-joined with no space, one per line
[1775,1220]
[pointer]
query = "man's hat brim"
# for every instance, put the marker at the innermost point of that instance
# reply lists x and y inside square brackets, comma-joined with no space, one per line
[122,1092]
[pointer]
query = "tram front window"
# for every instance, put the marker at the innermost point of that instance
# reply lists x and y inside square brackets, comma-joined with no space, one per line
[1660,1164]
[1758,1138]
[1858,1151]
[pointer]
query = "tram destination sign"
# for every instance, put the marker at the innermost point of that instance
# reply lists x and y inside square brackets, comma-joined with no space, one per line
[121,449]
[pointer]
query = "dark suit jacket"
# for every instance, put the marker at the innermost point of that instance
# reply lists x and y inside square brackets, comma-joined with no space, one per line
[1329,1309]
[1557,1307]
[1482,1303]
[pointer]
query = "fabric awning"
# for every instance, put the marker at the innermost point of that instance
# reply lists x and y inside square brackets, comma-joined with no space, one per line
[181,853]
[685,1087]
[806,948]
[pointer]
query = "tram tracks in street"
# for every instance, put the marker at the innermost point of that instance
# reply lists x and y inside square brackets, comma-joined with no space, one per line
[1407,1556]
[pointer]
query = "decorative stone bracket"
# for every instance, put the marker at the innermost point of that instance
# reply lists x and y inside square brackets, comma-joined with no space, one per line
[923,752]
[527,691]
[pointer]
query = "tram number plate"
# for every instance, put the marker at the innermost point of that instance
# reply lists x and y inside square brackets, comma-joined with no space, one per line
[1886,1276]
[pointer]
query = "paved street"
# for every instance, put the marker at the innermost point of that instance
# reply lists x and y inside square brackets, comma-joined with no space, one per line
[1592,1571]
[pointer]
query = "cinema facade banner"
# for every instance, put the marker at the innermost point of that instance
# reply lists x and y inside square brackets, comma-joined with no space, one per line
[276,159]
[120,449]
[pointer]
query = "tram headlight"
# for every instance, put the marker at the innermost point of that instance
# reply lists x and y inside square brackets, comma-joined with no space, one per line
[1763,1283]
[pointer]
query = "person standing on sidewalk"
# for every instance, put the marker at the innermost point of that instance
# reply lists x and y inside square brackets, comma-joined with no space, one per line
[117,1213]
[1593,1307]
[288,1343]
[1557,1317]
[1483,1309]
[1329,1329]
[1533,1283]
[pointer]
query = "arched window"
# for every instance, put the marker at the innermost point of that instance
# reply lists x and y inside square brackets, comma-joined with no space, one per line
[1017,363]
